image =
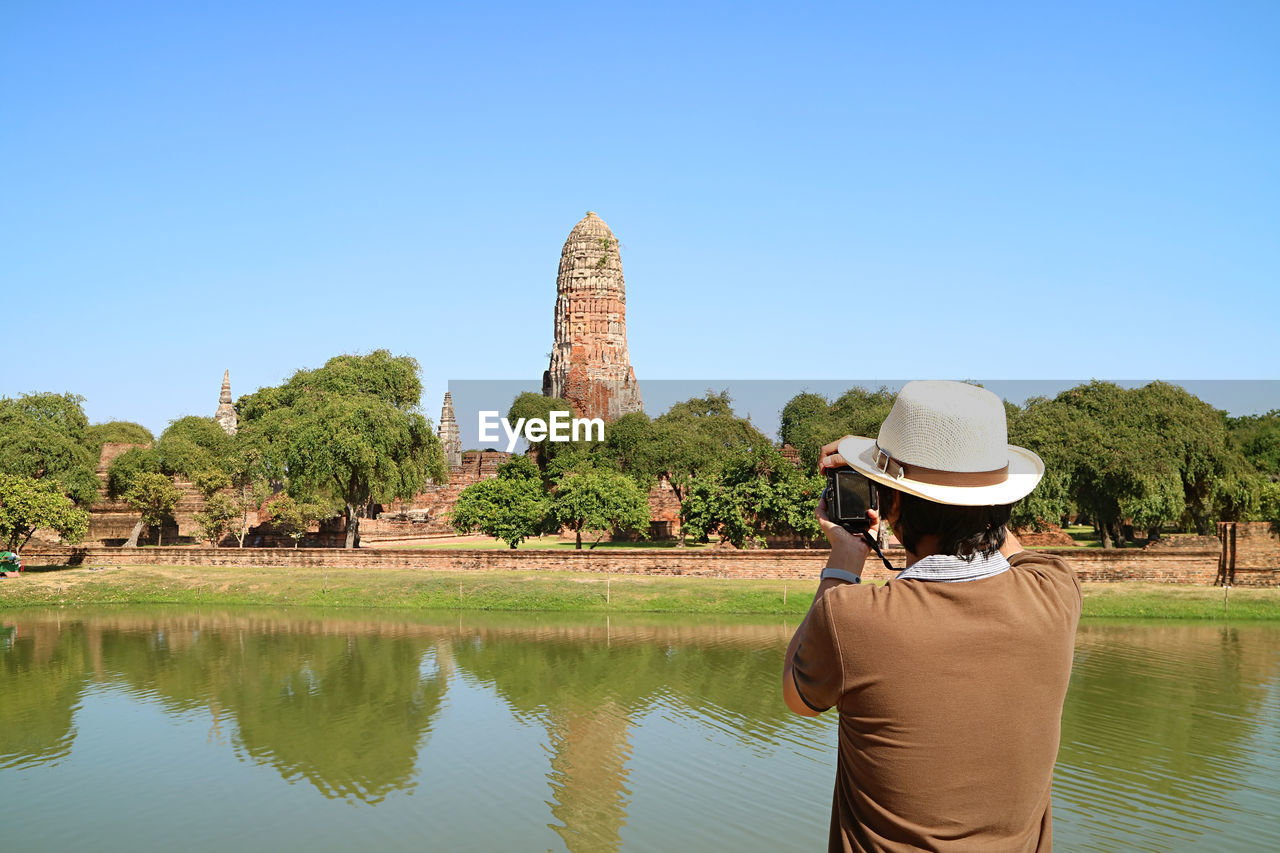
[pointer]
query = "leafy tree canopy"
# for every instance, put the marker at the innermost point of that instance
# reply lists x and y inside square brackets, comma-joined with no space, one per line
[512,506]
[27,504]
[44,436]
[293,517]
[127,466]
[192,445]
[599,500]
[1258,439]
[217,518]
[809,421]
[757,493]
[350,430]
[1269,505]
[697,437]
[117,432]
[154,495]
[551,455]
[1147,455]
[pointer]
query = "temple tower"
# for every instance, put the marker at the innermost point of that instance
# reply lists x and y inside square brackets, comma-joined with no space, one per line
[226,414]
[448,432]
[590,365]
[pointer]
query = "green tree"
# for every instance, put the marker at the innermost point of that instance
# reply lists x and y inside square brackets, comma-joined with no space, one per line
[599,500]
[218,518]
[756,494]
[210,481]
[1269,505]
[695,438]
[192,445]
[122,473]
[248,498]
[27,504]
[1257,437]
[1193,437]
[1042,427]
[154,495]
[117,432]
[511,506]
[551,455]
[808,421]
[631,445]
[1144,456]
[350,430]
[44,436]
[127,466]
[293,517]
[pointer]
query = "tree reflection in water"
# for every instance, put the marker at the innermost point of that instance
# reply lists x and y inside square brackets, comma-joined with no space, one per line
[43,669]
[1159,723]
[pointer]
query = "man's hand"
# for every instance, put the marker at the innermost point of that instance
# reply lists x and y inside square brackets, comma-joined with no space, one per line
[848,552]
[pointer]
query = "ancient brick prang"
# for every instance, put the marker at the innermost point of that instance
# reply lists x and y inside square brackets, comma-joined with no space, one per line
[226,414]
[590,365]
[450,440]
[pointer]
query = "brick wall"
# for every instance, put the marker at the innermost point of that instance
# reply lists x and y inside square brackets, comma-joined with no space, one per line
[1250,553]
[1093,565]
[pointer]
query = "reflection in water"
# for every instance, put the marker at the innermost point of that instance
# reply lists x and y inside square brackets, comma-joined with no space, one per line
[588,775]
[1161,728]
[1165,729]
[43,669]
[587,685]
[342,707]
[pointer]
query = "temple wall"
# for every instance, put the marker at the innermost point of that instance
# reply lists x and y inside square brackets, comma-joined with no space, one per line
[1250,553]
[1092,565]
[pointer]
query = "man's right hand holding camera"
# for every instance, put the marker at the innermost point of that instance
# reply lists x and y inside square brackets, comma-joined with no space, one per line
[848,551]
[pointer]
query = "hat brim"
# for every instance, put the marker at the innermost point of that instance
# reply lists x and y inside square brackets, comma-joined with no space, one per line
[1025,470]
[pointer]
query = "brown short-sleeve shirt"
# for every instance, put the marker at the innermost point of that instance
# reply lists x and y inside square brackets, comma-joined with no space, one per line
[950,698]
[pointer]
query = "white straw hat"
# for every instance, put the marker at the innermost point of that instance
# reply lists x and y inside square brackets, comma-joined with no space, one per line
[947,442]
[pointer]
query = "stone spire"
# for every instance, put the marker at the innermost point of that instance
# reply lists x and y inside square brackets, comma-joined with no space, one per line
[226,414]
[448,432]
[590,365]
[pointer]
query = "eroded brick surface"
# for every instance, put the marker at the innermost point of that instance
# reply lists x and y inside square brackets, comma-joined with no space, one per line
[590,364]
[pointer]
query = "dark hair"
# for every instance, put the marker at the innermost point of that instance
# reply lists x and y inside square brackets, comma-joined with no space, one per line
[964,531]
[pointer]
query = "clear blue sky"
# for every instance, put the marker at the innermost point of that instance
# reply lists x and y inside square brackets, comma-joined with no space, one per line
[807,191]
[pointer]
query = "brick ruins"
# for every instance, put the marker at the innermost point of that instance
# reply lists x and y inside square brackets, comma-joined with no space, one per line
[590,365]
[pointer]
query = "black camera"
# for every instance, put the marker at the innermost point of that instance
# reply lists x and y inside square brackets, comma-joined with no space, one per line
[849,495]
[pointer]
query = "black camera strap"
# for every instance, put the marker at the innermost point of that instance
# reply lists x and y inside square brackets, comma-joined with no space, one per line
[875,546]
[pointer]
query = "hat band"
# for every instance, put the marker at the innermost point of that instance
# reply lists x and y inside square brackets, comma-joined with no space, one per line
[934,477]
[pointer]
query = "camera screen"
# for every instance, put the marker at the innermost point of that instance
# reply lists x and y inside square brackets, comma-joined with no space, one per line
[853,494]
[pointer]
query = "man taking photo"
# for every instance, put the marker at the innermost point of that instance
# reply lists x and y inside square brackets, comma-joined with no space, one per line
[950,678]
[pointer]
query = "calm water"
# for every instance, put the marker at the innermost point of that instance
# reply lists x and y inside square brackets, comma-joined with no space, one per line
[250,730]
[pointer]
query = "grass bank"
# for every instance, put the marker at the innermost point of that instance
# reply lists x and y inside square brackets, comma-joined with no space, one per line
[542,591]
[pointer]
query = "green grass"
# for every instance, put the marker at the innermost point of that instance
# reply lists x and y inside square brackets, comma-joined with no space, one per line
[403,588]
[1086,537]
[537,591]
[1178,601]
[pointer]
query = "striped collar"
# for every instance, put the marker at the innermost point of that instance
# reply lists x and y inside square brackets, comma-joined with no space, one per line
[947,568]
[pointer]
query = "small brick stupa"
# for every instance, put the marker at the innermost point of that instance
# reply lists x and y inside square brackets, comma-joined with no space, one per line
[590,365]
[450,440]
[226,414]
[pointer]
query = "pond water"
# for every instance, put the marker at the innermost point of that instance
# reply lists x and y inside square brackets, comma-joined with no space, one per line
[167,729]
